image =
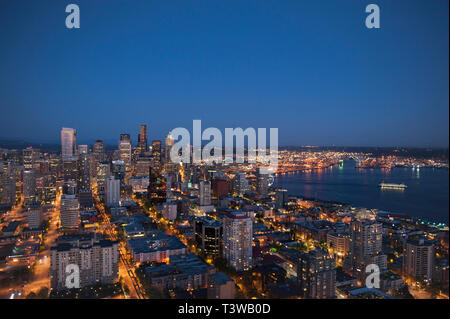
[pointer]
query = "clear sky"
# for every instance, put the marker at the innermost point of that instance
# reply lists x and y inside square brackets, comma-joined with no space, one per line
[310,68]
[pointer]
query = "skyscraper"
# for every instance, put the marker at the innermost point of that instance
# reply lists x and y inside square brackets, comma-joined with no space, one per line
[418,258]
[281,198]
[69,213]
[84,174]
[112,192]
[34,215]
[208,235]
[142,140]
[7,184]
[262,182]
[99,151]
[29,187]
[168,147]
[30,158]
[237,240]
[125,150]
[68,142]
[316,275]
[156,155]
[96,258]
[240,184]
[205,193]
[365,246]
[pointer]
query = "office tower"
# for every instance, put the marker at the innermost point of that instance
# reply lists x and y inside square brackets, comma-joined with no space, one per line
[237,240]
[142,166]
[46,188]
[281,198]
[69,188]
[168,146]
[156,193]
[70,169]
[316,275]
[418,258]
[68,143]
[119,169]
[83,149]
[156,155]
[262,182]
[99,151]
[97,260]
[85,199]
[30,158]
[7,184]
[220,187]
[208,235]
[240,184]
[365,246]
[34,215]
[205,193]
[103,173]
[69,213]
[29,187]
[84,173]
[112,192]
[125,150]
[142,140]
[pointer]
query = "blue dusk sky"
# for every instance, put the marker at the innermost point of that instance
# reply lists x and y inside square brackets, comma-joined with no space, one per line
[310,68]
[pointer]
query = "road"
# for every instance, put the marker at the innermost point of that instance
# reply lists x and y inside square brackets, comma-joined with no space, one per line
[126,270]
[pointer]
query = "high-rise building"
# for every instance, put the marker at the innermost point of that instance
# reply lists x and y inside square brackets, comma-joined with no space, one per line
[366,237]
[208,235]
[83,149]
[70,169]
[97,260]
[34,215]
[205,193]
[7,184]
[240,184]
[316,275]
[168,147]
[99,151]
[103,173]
[68,142]
[69,214]
[84,173]
[281,198]
[156,155]
[156,193]
[142,140]
[418,258]
[237,240]
[112,192]
[125,150]
[29,187]
[221,187]
[119,169]
[142,166]
[262,182]
[30,158]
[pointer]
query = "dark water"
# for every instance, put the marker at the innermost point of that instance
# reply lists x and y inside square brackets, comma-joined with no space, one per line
[427,195]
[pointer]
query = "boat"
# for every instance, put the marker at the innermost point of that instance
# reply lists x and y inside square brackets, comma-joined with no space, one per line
[384,185]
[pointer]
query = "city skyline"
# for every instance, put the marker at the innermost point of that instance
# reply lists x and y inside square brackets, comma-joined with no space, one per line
[240,64]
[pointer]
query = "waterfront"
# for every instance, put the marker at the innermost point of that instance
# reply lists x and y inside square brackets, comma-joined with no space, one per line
[427,194]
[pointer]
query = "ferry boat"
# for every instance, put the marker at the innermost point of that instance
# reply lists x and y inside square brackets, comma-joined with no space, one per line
[384,185]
